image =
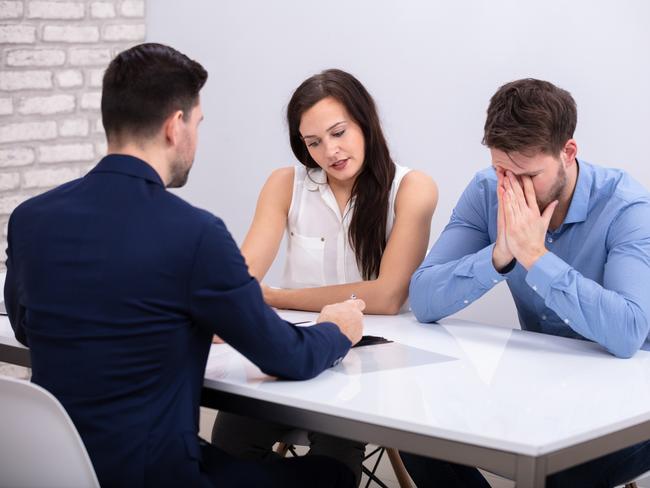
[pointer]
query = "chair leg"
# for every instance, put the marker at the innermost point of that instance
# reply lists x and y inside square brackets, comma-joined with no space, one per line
[371,474]
[401,474]
[282,448]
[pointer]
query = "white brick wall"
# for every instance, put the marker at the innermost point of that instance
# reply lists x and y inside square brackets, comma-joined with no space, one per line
[55,10]
[11,10]
[52,58]
[17,34]
[36,57]
[90,57]
[102,10]
[6,106]
[50,104]
[24,80]
[69,78]
[71,33]
[19,156]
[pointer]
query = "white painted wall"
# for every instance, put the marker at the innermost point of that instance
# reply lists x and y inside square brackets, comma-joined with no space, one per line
[431,67]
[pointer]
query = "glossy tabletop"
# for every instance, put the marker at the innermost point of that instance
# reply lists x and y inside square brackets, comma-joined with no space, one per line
[519,403]
[488,386]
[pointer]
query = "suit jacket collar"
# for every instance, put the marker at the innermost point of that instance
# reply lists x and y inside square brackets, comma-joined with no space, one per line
[128,165]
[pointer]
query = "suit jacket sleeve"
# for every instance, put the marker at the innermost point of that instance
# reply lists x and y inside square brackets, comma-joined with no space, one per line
[15,311]
[226,300]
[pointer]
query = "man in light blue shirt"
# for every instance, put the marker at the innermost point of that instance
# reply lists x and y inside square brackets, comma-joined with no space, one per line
[571,239]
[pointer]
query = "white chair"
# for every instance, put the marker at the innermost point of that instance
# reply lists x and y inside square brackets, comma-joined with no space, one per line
[39,444]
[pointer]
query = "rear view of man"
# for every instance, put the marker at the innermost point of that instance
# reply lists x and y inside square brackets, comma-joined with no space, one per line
[117,286]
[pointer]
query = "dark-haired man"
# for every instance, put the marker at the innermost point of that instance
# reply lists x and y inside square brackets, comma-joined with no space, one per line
[571,239]
[117,286]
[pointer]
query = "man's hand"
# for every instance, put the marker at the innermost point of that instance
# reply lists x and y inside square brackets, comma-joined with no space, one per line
[347,315]
[501,255]
[525,227]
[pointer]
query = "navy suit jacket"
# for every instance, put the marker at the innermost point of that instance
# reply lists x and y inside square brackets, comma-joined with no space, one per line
[117,286]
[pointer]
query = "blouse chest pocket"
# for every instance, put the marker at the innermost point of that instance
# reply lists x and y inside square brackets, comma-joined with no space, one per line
[306,259]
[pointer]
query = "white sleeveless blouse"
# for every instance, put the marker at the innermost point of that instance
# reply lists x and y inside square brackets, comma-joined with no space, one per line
[318,249]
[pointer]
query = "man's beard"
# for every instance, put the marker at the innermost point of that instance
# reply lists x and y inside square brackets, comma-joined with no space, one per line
[179,172]
[180,168]
[556,190]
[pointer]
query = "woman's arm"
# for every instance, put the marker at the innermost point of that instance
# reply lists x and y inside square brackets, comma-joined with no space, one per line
[265,234]
[406,247]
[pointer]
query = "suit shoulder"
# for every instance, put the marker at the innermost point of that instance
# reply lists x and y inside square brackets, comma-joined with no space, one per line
[191,214]
[177,204]
[44,198]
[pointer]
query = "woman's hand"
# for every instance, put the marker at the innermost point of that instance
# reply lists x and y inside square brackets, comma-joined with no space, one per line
[271,295]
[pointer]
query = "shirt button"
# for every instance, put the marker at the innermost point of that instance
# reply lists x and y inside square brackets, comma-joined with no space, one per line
[566,321]
[543,317]
[535,287]
[322,239]
[549,240]
[465,302]
[495,281]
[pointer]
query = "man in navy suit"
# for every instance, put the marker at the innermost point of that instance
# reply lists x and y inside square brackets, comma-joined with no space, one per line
[117,286]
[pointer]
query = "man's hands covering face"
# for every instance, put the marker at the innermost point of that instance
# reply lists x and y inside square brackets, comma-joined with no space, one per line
[521,228]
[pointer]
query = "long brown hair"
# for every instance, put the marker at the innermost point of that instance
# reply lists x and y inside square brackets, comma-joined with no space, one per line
[367,233]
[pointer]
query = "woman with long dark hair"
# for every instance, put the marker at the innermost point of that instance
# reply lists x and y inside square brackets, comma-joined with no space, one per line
[357,225]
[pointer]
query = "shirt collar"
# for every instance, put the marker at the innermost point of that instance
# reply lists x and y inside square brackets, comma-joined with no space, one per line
[316,179]
[128,165]
[580,201]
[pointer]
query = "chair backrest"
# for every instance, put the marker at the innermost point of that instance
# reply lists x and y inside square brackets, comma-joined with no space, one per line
[39,444]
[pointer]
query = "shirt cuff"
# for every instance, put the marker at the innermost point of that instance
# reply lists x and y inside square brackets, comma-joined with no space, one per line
[544,272]
[484,270]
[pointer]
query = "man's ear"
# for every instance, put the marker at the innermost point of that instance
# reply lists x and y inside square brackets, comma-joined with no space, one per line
[570,151]
[172,127]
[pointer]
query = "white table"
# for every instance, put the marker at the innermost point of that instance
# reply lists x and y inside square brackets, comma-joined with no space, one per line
[520,404]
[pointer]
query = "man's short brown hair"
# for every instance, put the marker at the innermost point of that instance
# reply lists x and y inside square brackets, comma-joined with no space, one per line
[528,116]
[144,85]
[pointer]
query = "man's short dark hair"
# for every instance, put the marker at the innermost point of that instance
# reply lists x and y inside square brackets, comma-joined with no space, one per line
[144,85]
[530,115]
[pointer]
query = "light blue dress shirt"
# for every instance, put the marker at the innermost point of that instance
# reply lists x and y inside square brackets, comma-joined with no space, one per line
[594,282]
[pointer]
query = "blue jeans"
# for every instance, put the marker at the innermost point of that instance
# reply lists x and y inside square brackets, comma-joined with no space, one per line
[604,472]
